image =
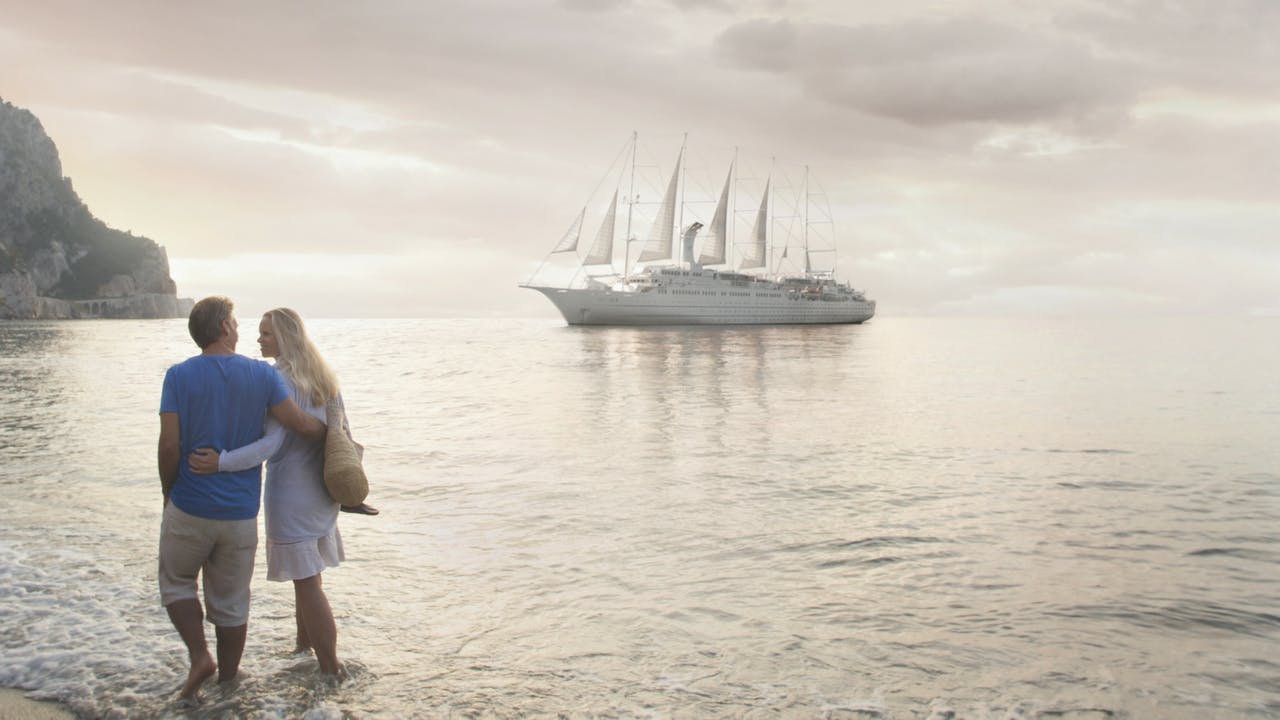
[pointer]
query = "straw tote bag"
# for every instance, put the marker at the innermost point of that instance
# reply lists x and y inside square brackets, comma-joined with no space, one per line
[344,476]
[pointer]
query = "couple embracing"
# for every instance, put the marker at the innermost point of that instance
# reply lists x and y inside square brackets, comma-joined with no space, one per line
[221,416]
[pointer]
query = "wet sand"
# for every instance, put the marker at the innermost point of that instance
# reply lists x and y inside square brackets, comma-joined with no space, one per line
[14,705]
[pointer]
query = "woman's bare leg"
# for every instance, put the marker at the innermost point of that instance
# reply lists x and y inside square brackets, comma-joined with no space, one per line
[304,641]
[317,620]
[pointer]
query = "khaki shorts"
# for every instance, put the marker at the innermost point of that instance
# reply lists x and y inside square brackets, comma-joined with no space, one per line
[223,549]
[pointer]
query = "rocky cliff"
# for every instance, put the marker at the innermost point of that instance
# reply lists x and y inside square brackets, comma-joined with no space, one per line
[56,259]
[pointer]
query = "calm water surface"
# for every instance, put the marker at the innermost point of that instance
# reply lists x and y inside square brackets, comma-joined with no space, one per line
[915,518]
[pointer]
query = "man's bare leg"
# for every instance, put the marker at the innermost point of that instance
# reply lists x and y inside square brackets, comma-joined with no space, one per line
[317,617]
[188,617]
[230,648]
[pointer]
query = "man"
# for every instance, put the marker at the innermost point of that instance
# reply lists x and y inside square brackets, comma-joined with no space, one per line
[216,399]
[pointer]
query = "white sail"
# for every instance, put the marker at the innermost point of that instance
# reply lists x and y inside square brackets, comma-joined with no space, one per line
[570,240]
[602,249]
[754,257]
[659,245]
[713,248]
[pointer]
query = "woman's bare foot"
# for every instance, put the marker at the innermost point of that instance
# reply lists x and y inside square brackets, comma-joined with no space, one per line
[336,677]
[202,668]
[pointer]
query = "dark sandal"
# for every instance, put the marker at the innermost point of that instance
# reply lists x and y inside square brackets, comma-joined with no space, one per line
[361,509]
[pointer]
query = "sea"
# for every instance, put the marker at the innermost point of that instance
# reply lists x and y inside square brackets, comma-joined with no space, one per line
[1009,518]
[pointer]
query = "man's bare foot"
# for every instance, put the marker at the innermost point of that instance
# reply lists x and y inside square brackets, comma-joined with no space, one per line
[202,668]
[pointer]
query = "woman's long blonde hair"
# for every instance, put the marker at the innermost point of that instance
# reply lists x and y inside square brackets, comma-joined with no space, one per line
[299,359]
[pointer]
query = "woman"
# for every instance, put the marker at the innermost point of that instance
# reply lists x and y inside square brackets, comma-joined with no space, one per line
[301,517]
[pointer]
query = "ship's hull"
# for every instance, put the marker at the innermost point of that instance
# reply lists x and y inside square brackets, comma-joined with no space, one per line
[608,307]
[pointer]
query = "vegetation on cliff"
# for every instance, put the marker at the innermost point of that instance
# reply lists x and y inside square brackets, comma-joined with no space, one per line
[109,253]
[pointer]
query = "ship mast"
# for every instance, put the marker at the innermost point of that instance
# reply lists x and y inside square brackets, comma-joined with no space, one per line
[631,203]
[730,237]
[805,220]
[768,246]
[684,173]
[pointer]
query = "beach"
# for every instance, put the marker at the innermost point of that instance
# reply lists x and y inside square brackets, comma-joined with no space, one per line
[15,705]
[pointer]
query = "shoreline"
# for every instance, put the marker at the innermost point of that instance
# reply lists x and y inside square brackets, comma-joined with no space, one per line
[15,705]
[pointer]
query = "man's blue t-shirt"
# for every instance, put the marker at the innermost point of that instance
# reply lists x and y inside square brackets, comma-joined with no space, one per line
[221,402]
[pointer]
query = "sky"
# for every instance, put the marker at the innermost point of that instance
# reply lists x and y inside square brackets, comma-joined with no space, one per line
[420,159]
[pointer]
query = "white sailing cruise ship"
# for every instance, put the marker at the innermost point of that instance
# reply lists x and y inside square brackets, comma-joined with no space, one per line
[730,281]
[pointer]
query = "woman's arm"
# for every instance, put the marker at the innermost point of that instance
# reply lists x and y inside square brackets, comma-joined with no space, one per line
[205,461]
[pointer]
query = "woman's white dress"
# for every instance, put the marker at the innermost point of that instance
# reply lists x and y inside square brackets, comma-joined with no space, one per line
[301,517]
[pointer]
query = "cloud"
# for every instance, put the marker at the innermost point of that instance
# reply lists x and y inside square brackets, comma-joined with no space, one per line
[661,6]
[1212,46]
[935,72]
[594,5]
